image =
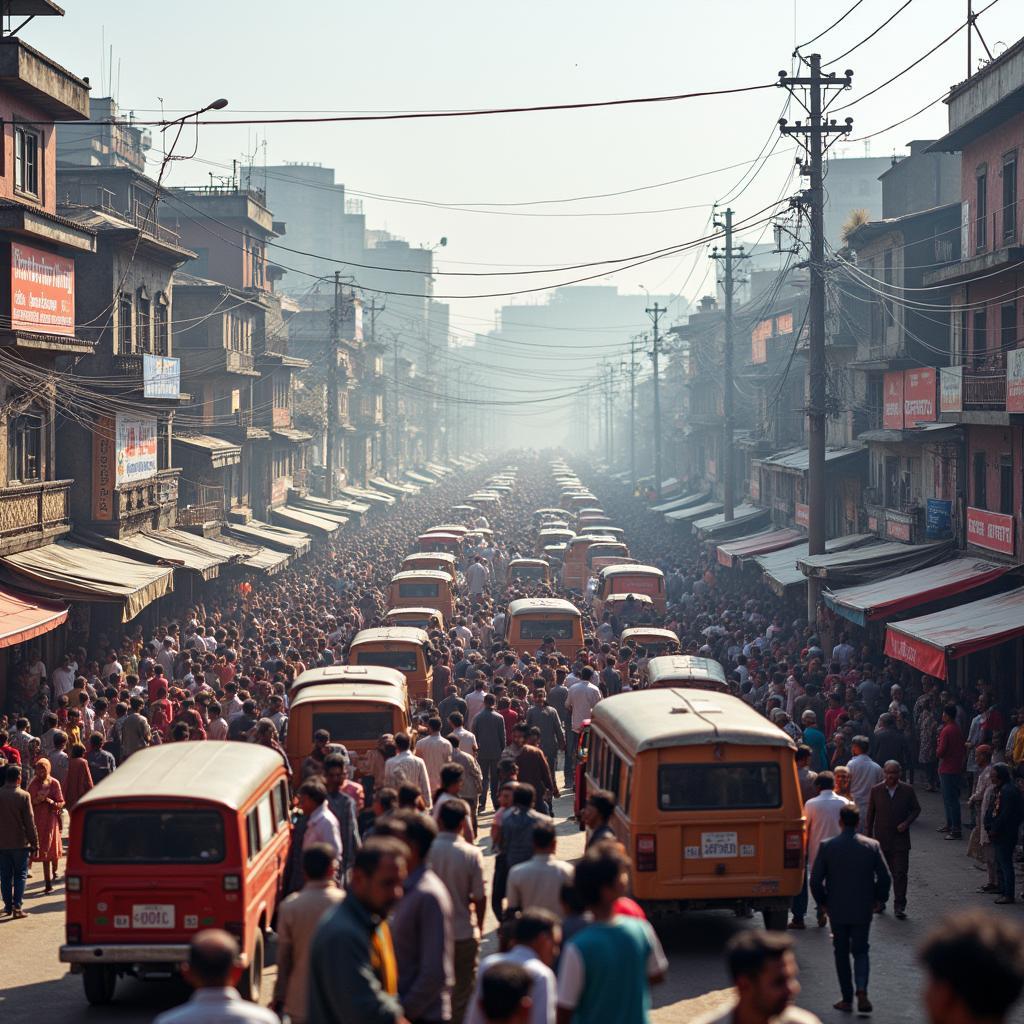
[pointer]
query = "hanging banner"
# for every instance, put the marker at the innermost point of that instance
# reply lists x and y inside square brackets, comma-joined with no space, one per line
[103,472]
[1015,380]
[892,401]
[919,396]
[951,389]
[915,653]
[136,448]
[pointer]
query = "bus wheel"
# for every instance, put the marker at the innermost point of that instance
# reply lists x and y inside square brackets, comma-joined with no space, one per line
[251,982]
[775,919]
[99,981]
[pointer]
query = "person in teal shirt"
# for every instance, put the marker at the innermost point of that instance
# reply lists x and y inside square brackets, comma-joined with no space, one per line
[815,739]
[607,968]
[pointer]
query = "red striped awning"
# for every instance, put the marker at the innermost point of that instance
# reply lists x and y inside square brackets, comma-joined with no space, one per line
[23,617]
[757,544]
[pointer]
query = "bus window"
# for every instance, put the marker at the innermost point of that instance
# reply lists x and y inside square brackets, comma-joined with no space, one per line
[537,629]
[404,661]
[354,725]
[698,787]
[417,589]
[153,837]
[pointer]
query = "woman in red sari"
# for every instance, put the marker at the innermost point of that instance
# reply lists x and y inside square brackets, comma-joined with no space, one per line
[47,802]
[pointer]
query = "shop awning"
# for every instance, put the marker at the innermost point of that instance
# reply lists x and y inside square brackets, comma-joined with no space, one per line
[220,453]
[744,516]
[436,467]
[796,459]
[387,487]
[266,560]
[927,641]
[333,506]
[677,503]
[280,538]
[688,515]
[735,551]
[74,572]
[779,567]
[23,617]
[291,435]
[882,598]
[304,519]
[419,478]
[872,562]
[178,548]
[364,494]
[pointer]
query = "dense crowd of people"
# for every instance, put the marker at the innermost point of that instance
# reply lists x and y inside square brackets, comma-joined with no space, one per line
[385,858]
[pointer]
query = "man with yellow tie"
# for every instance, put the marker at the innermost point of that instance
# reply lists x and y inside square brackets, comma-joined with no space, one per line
[353,975]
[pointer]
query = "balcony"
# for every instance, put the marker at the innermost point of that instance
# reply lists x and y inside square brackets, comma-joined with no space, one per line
[281,417]
[33,513]
[984,389]
[236,427]
[149,502]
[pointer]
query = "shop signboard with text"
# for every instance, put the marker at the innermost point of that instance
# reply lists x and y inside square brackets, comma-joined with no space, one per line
[990,530]
[951,389]
[919,396]
[1015,380]
[892,401]
[136,455]
[161,376]
[42,291]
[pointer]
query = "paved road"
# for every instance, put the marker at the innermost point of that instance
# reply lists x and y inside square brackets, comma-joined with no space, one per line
[34,986]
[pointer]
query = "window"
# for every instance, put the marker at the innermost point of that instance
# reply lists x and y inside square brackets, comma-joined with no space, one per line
[1006,484]
[142,318]
[1007,327]
[979,336]
[281,804]
[537,629]
[161,337]
[125,343]
[418,590]
[981,209]
[25,447]
[354,726]
[26,161]
[1010,197]
[153,837]
[695,787]
[404,661]
[980,489]
[252,829]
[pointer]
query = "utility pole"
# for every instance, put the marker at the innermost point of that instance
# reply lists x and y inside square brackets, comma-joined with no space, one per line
[655,315]
[396,457]
[332,389]
[634,345]
[814,135]
[728,256]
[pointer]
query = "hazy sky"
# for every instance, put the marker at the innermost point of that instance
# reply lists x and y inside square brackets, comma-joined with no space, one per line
[397,55]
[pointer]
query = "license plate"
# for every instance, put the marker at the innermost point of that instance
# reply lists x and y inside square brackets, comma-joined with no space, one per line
[718,844]
[153,915]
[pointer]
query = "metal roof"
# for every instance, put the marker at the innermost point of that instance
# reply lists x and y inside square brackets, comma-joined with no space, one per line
[361,675]
[632,570]
[220,772]
[797,458]
[391,634]
[684,666]
[660,718]
[419,574]
[542,604]
[636,632]
[327,692]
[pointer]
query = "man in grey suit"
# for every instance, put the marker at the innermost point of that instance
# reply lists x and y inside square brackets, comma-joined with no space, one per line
[850,880]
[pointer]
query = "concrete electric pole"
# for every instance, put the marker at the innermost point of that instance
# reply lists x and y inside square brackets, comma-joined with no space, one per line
[655,315]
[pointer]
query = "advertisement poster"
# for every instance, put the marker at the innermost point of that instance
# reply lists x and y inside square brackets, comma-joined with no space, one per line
[951,389]
[939,519]
[161,376]
[919,396]
[136,448]
[892,401]
[1015,380]
[42,291]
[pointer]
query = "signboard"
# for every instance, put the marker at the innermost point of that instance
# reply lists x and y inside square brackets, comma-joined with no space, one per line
[938,519]
[103,469]
[1015,380]
[42,291]
[915,653]
[759,341]
[784,323]
[897,530]
[755,486]
[951,389]
[990,530]
[136,448]
[892,401]
[161,376]
[801,514]
[919,396]
[873,524]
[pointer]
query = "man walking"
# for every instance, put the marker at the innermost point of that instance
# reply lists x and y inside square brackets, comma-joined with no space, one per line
[405,766]
[18,840]
[538,882]
[297,922]
[850,881]
[893,807]
[580,702]
[549,722]
[489,730]
[865,774]
[822,814]
[435,752]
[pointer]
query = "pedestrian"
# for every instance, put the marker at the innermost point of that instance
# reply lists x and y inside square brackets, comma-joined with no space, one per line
[133,731]
[435,751]
[534,767]
[952,753]
[101,761]
[1002,822]
[763,969]
[489,729]
[892,808]
[47,804]
[538,881]
[889,743]
[343,807]
[460,866]
[451,789]
[804,776]
[352,966]
[472,777]
[536,938]
[321,824]
[406,767]
[597,816]
[505,995]
[822,814]
[297,920]
[865,774]
[607,969]
[974,965]
[815,739]
[19,840]
[580,702]
[422,928]
[850,882]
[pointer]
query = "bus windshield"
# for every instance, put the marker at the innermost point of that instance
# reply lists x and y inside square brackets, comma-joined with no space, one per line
[153,837]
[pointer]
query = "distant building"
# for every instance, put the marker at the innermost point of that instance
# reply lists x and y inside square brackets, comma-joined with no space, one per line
[851,183]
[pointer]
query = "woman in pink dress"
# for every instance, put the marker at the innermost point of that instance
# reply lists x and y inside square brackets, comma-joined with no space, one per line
[47,801]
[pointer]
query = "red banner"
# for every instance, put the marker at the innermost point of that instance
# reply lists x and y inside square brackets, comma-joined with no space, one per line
[42,291]
[892,401]
[990,530]
[919,396]
[802,514]
[915,653]
[897,531]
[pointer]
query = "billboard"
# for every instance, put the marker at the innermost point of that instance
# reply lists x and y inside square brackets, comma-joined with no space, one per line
[919,396]
[951,389]
[161,376]
[1015,380]
[136,448]
[892,401]
[42,291]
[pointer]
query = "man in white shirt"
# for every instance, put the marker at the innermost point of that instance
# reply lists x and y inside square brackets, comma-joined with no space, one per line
[407,767]
[822,813]
[63,679]
[538,882]
[865,774]
[435,751]
[580,702]
[477,578]
[537,935]
[321,824]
